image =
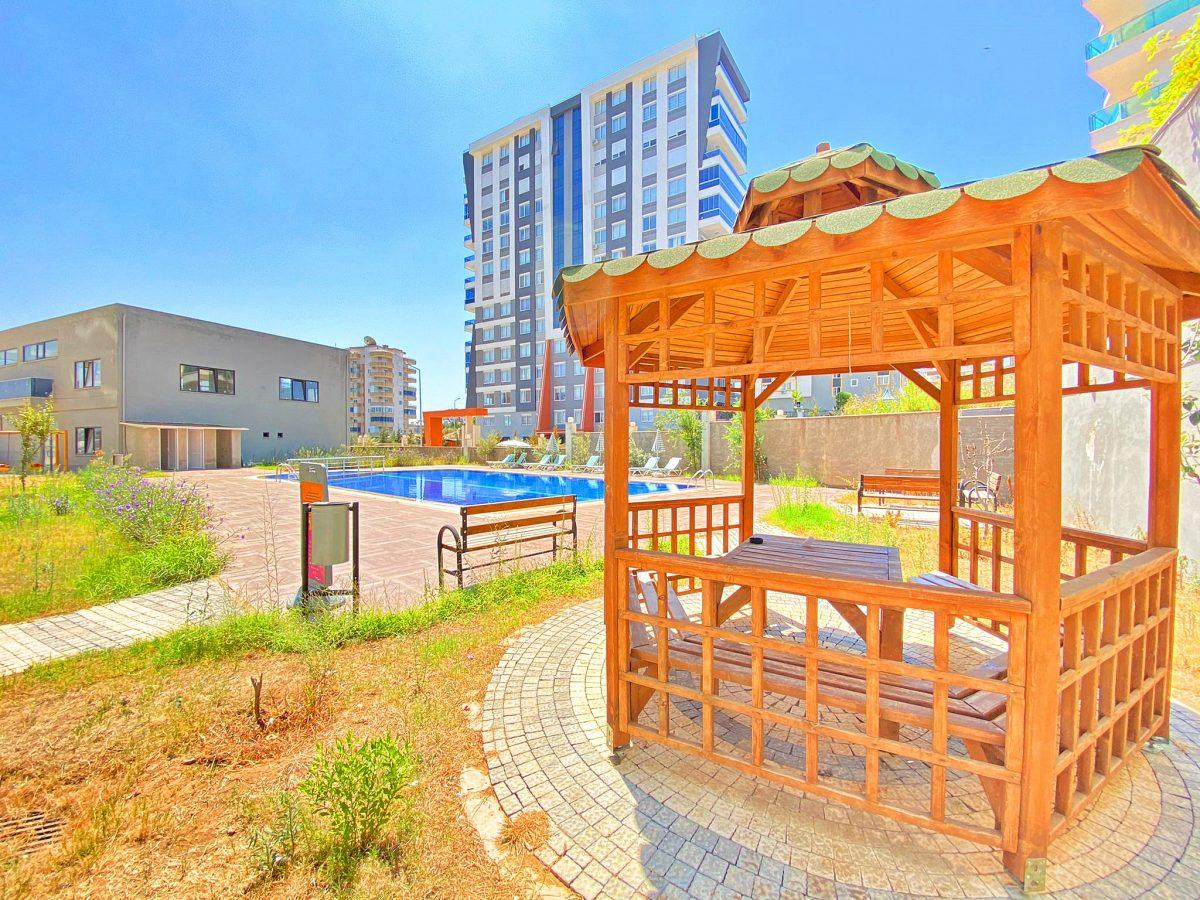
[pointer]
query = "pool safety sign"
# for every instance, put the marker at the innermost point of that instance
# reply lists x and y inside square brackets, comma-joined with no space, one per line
[314,488]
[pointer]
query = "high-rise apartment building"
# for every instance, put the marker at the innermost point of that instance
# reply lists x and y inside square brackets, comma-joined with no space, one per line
[384,390]
[1116,62]
[649,157]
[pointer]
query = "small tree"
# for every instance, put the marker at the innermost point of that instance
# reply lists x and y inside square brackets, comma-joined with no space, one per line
[733,436]
[1185,75]
[842,398]
[689,425]
[1191,413]
[35,423]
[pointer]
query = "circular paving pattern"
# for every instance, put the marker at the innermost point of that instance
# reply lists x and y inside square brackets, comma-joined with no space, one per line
[661,822]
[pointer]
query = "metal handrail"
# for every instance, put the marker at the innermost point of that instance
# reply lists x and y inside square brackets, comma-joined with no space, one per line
[331,463]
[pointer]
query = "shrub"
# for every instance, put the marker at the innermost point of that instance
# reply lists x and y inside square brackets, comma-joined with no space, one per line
[144,510]
[355,791]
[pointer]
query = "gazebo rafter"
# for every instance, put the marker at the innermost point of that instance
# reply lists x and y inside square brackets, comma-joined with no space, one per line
[1067,279]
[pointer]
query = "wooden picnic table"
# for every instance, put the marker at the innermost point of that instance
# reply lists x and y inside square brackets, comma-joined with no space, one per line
[839,559]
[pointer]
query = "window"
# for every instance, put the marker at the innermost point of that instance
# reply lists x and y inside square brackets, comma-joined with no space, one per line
[676,214]
[298,389]
[576,368]
[488,269]
[523,257]
[40,350]
[523,210]
[526,395]
[650,222]
[525,326]
[487,226]
[205,380]
[487,158]
[649,146]
[677,240]
[87,373]
[87,441]
[523,140]
[676,156]
[525,373]
[600,106]
[504,152]
[505,332]
[600,237]
[560,369]
[524,304]
[504,220]
[559,345]
[505,264]
[676,186]
[649,112]
[649,246]
[618,230]
[677,100]
[504,242]
[618,122]
[523,164]
[506,354]
[618,97]
[649,195]
[523,186]
[577,392]
[883,379]
[506,308]
[601,132]
[523,280]
[9,357]
[560,417]
[523,233]
[677,72]
[488,245]
[618,149]
[525,350]
[600,210]
[618,175]
[618,203]
[503,195]
[560,393]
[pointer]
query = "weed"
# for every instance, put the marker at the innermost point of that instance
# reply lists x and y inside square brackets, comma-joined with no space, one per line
[276,834]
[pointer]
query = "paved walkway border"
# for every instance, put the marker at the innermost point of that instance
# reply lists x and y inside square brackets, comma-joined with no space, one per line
[117,624]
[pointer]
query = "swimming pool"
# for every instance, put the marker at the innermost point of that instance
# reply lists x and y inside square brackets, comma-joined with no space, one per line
[463,487]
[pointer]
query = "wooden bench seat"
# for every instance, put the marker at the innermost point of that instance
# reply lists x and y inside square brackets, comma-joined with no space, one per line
[490,526]
[908,487]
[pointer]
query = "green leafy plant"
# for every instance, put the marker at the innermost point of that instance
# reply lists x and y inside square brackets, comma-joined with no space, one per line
[689,425]
[1185,75]
[1191,413]
[355,790]
[909,398]
[34,422]
[733,437]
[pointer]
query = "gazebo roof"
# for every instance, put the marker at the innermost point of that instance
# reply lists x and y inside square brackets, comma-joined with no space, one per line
[1128,199]
[841,177]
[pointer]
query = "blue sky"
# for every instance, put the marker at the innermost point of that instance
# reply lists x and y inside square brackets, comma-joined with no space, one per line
[296,167]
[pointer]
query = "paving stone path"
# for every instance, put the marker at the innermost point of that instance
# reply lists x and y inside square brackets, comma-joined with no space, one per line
[661,823]
[23,644]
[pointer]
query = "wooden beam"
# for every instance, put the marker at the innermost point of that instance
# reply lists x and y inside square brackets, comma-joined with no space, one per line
[771,388]
[911,373]
[1037,503]
[994,265]
[1188,282]
[785,298]
[748,410]
[1189,308]
[948,472]
[678,307]
[616,522]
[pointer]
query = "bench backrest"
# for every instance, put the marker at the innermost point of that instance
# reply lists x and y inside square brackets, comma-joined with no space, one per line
[894,471]
[481,518]
[900,484]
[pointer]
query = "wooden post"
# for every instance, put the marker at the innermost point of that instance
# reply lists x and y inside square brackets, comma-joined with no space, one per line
[749,384]
[1037,501]
[1166,425]
[616,510]
[948,469]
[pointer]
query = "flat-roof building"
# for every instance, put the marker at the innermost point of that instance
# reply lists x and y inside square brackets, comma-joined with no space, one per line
[172,392]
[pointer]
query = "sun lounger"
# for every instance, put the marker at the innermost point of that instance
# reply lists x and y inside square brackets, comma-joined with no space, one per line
[649,468]
[592,465]
[557,464]
[541,462]
[671,469]
[502,463]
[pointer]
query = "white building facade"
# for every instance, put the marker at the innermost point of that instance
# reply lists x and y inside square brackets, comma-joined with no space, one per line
[649,157]
[384,390]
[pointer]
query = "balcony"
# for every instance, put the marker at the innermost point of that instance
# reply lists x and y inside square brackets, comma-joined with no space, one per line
[26,388]
[1138,26]
[1123,109]
[722,129]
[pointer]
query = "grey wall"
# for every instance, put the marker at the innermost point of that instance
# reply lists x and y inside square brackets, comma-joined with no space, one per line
[156,344]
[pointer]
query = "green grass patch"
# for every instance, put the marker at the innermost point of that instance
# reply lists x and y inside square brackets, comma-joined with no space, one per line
[282,631]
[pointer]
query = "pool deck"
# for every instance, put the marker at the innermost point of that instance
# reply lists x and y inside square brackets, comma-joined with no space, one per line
[260,525]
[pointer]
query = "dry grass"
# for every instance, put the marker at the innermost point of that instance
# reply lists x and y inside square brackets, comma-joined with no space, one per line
[158,772]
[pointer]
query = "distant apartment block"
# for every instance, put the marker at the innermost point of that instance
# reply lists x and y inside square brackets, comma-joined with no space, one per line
[1116,62]
[171,392]
[806,395]
[384,390]
[649,157]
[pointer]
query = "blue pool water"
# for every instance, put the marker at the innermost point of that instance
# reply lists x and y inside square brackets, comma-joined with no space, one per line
[462,487]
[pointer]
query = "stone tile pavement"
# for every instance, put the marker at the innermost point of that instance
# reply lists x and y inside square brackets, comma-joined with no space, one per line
[658,822]
[22,644]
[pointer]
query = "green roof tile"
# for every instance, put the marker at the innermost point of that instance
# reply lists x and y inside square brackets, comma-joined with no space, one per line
[781,234]
[719,247]
[847,221]
[624,265]
[672,256]
[1096,169]
[1007,186]
[852,156]
[810,169]
[920,206]
[579,273]
[772,181]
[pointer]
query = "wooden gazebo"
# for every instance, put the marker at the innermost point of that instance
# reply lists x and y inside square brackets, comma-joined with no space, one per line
[1068,279]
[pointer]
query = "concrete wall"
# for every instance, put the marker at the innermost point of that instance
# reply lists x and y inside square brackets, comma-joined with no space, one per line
[158,343]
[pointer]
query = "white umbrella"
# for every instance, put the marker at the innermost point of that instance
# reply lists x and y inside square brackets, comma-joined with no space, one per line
[515,444]
[658,446]
[599,448]
[552,447]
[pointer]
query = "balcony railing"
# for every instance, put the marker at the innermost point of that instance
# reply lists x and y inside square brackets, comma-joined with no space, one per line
[720,116]
[1123,109]
[1139,25]
[22,388]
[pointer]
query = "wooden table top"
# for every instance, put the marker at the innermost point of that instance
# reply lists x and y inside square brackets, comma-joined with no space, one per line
[813,556]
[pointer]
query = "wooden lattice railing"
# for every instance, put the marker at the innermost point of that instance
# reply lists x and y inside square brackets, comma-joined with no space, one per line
[984,543]
[1112,692]
[733,690]
[687,525]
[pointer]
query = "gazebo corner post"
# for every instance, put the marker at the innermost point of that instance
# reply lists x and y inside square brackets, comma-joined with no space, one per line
[1166,432]
[749,412]
[616,520]
[1037,502]
[948,469]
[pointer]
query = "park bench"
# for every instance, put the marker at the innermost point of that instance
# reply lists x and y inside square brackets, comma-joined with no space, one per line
[881,488]
[492,527]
